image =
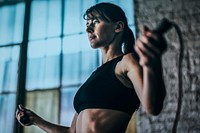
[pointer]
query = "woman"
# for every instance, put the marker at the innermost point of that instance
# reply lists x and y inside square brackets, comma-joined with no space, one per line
[126,78]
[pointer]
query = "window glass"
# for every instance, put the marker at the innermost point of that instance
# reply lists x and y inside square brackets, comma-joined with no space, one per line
[38,19]
[43,64]
[128,9]
[89,64]
[54,18]
[46,16]
[11,24]
[89,58]
[67,107]
[78,60]
[7,112]
[134,30]
[84,43]
[19,23]
[74,10]
[72,16]
[71,60]
[71,67]
[45,104]
[86,4]
[8,68]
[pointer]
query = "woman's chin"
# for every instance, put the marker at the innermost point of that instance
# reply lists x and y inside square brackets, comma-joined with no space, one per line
[93,46]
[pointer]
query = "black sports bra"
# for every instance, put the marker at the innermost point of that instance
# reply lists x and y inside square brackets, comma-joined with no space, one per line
[103,90]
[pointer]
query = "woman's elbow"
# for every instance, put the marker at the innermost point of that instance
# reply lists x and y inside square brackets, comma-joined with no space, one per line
[155,110]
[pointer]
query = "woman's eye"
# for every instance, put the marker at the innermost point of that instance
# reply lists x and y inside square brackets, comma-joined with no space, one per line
[95,21]
[87,24]
[92,22]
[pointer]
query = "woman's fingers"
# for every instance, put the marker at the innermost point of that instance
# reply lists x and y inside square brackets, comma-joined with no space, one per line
[146,47]
[25,120]
[19,113]
[149,47]
[143,58]
[22,115]
[22,108]
[19,116]
[149,41]
[157,40]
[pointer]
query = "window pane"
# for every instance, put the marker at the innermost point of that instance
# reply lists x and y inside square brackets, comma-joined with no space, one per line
[89,58]
[19,23]
[67,107]
[7,112]
[45,104]
[38,19]
[43,64]
[11,24]
[46,16]
[71,60]
[54,18]
[79,59]
[77,67]
[73,17]
[8,68]
[89,64]
[134,30]
[128,9]
[71,67]
[84,43]
[74,10]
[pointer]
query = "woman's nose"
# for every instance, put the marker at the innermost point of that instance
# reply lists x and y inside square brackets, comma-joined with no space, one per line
[90,28]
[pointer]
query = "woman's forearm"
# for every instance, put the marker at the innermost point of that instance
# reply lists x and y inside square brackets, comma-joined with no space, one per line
[50,127]
[153,89]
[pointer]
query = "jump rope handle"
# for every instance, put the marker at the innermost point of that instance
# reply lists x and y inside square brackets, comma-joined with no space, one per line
[163,26]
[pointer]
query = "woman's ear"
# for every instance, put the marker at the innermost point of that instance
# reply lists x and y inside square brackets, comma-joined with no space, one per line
[119,26]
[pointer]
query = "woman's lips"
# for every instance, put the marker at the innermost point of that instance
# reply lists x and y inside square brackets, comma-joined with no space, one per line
[92,37]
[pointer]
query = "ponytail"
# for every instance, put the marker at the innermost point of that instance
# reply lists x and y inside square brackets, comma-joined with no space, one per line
[129,41]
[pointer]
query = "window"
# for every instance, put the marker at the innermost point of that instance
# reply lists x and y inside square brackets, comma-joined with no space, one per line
[11,26]
[59,57]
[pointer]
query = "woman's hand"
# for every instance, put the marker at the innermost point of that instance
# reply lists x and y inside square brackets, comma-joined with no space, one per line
[27,117]
[150,47]
[24,116]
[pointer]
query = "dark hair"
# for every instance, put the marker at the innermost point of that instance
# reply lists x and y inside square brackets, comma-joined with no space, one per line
[113,13]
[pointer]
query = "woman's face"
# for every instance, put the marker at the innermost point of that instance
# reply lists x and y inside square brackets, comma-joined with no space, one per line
[100,32]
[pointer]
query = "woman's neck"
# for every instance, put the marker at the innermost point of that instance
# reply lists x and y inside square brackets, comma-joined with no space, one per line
[112,50]
[109,54]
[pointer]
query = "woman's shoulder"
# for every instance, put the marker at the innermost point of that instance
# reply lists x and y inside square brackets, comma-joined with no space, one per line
[128,62]
[130,59]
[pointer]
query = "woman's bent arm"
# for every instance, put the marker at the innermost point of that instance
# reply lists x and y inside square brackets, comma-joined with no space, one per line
[27,117]
[146,75]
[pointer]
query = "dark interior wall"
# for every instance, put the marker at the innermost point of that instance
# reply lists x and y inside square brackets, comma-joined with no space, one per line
[186,14]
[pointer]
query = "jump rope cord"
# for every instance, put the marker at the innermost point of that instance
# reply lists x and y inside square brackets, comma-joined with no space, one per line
[162,28]
[180,81]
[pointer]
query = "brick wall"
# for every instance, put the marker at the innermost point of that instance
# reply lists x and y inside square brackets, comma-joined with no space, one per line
[186,14]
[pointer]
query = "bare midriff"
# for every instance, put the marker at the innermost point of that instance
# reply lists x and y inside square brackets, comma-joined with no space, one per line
[102,121]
